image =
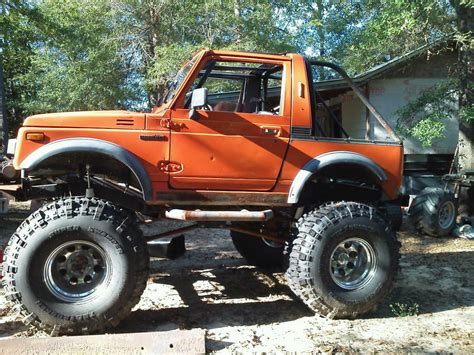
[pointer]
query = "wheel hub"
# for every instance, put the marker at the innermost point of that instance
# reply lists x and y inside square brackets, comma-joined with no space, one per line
[353,264]
[446,214]
[75,270]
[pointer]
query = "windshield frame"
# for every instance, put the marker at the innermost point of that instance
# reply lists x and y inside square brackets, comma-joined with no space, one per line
[173,86]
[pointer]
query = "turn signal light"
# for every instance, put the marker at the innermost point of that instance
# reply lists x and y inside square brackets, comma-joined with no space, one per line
[35,137]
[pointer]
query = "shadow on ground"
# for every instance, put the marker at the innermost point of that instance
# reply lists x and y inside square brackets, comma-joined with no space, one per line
[239,295]
[215,288]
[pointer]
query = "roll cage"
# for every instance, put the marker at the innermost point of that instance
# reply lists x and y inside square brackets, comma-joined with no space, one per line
[249,76]
[315,96]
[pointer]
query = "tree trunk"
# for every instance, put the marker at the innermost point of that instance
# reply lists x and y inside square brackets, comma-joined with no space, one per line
[3,113]
[465,18]
[152,20]
[237,16]
[318,14]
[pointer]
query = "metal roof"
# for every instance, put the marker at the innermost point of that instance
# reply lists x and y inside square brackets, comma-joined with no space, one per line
[380,69]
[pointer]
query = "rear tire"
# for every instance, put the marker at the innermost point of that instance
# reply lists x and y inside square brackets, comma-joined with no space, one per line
[433,212]
[394,215]
[77,265]
[257,251]
[344,260]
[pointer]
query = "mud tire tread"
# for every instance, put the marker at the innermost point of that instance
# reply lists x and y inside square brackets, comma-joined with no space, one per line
[423,211]
[124,222]
[312,228]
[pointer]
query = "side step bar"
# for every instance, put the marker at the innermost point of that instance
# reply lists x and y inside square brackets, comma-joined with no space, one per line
[198,215]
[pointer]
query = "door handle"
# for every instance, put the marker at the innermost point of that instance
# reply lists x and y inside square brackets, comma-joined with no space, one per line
[270,131]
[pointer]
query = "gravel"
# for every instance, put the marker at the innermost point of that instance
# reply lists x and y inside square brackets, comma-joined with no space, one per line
[247,309]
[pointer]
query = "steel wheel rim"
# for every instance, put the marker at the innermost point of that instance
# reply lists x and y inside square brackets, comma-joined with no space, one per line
[446,214]
[76,271]
[353,263]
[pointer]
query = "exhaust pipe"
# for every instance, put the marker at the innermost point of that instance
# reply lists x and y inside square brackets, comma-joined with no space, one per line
[220,216]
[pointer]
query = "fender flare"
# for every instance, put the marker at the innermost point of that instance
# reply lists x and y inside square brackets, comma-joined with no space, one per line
[91,145]
[324,160]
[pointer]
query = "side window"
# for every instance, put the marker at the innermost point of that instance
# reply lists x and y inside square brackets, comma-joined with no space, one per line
[241,87]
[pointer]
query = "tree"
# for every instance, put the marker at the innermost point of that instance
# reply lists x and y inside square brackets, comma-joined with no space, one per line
[17,36]
[3,112]
[94,54]
[392,28]
[236,25]
[424,117]
[76,63]
[465,24]
[396,27]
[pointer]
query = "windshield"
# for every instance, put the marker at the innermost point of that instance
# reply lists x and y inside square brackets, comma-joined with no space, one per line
[173,85]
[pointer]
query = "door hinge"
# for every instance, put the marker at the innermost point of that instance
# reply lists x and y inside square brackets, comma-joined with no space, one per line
[168,123]
[170,166]
[165,122]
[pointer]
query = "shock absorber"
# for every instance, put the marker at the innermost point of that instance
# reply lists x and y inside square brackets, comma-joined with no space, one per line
[89,190]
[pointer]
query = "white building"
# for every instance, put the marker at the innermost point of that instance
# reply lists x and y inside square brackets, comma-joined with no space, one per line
[389,87]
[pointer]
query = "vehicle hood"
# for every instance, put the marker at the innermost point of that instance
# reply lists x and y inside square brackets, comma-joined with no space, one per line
[89,119]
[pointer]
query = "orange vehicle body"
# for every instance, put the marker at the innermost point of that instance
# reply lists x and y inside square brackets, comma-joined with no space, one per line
[245,157]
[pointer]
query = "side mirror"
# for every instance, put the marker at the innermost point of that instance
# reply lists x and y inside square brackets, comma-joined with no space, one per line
[198,100]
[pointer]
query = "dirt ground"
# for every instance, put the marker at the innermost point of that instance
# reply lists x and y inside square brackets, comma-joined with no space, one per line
[246,309]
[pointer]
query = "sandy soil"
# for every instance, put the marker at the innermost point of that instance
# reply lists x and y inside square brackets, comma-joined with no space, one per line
[244,308]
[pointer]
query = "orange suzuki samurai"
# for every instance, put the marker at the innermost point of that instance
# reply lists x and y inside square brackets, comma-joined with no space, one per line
[242,141]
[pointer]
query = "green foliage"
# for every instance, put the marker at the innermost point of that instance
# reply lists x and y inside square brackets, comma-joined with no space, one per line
[427,129]
[76,65]
[467,113]
[17,36]
[247,25]
[390,28]
[168,60]
[404,309]
[425,117]
[97,54]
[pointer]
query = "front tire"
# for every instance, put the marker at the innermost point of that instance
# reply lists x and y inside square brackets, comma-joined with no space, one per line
[344,260]
[77,265]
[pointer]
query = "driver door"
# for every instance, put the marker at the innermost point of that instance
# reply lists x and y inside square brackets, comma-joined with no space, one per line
[239,140]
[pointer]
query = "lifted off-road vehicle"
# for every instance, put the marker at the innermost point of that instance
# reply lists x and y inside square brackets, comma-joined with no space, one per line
[243,141]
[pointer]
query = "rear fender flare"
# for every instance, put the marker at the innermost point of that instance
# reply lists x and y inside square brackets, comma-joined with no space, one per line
[324,160]
[91,145]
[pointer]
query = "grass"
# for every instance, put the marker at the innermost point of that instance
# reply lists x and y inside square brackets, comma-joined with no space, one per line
[405,309]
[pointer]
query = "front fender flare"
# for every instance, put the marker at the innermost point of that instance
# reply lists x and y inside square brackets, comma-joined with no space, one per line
[91,145]
[324,160]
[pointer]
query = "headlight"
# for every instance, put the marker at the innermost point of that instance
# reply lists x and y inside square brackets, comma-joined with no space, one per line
[11,146]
